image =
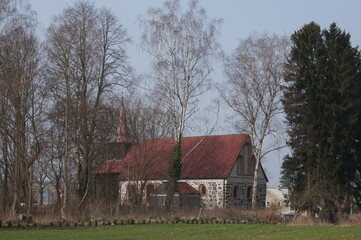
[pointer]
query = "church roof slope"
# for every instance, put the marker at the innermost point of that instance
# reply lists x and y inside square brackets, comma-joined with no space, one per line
[204,157]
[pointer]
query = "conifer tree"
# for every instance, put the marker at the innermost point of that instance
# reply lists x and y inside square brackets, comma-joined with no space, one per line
[322,105]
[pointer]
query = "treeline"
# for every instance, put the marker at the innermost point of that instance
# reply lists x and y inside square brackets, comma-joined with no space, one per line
[60,99]
[59,104]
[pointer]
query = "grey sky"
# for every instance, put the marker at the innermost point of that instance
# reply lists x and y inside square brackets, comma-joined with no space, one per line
[240,19]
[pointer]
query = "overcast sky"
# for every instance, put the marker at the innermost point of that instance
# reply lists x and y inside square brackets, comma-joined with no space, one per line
[240,19]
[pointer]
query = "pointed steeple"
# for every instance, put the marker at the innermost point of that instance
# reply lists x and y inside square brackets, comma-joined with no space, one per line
[117,147]
[122,134]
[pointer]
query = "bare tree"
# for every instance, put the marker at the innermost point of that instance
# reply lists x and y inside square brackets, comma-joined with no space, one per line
[181,44]
[22,99]
[87,59]
[253,89]
[146,120]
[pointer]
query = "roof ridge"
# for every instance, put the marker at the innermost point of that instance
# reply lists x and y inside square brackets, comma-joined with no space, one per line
[217,135]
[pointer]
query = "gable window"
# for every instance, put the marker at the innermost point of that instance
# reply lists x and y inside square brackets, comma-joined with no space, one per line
[245,161]
[236,192]
[251,167]
[202,189]
[239,165]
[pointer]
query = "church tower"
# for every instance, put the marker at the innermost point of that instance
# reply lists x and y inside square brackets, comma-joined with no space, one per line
[120,144]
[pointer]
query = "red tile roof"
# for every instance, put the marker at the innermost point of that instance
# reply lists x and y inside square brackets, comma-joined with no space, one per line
[204,157]
[184,188]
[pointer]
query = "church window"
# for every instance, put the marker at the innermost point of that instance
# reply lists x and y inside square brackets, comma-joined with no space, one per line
[202,189]
[249,193]
[236,192]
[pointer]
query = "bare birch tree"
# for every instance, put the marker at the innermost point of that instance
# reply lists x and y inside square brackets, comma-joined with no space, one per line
[181,45]
[254,77]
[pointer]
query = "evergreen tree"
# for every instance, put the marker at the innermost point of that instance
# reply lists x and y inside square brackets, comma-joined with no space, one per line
[322,106]
[175,166]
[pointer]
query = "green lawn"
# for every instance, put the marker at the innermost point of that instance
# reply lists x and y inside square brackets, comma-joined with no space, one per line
[189,231]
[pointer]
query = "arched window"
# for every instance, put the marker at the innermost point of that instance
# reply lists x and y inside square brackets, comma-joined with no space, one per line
[249,193]
[202,189]
[131,192]
[236,192]
[149,190]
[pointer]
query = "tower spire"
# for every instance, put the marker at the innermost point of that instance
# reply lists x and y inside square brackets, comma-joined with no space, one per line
[122,134]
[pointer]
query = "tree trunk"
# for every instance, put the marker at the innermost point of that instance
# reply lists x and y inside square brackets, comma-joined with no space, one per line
[63,209]
[6,175]
[175,166]
[255,183]
[18,158]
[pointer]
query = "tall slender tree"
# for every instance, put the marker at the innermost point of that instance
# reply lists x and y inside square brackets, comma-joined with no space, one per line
[253,91]
[21,104]
[181,44]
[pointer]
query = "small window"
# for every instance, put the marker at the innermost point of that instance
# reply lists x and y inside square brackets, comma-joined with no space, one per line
[203,190]
[249,193]
[279,204]
[131,192]
[236,192]
[267,204]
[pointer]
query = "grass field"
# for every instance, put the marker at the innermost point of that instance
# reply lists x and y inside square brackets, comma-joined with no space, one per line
[188,231]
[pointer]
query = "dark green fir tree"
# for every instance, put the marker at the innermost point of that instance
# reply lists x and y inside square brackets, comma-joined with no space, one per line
[322,100]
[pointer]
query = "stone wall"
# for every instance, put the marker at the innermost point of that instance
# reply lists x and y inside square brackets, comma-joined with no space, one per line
[243,196]
[214,197]
[261,195]
[214,191]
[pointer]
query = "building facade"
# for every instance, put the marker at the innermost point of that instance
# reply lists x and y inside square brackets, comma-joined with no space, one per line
[219,167]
